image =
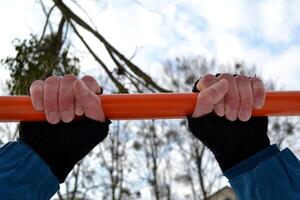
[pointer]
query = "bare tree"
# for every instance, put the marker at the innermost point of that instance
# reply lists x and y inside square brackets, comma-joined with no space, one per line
[162,155]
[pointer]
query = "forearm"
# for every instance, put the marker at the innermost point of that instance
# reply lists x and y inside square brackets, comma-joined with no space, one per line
[270,174]
[24,175]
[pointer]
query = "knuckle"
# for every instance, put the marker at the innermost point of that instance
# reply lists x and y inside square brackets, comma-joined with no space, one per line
[65,105]
[66,87]
[66,97]
[69,77]
[247,106]
[243,84]
[89,79]
[205,96]
[245,96]
[91,83]
[256,80]
[242,78]
[229,77]
[208,76]
[226,76]
[66,92]
[52,80]
[37,82]
[208,80]
[51,105]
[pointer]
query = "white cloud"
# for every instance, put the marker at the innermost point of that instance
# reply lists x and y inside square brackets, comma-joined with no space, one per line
[259,32]
[279,19]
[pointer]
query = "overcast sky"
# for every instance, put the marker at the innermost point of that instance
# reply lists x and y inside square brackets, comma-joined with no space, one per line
[261,32]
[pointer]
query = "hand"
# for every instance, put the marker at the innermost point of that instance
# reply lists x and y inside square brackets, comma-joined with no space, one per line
[61,145]
[63,98]
[231,96]
[221,101]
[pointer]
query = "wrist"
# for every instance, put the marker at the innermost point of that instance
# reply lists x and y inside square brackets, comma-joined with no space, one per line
[230,142]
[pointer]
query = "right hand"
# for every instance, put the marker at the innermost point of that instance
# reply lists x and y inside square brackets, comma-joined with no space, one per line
[62,145]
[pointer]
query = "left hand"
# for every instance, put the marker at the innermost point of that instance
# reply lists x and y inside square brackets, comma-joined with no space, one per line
[63,98]
[230,140]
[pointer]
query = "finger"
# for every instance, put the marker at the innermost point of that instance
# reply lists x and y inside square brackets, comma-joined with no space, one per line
[246,97]
[205,82]
[67,98]
[37,95]
[208,97]
[220,107]
[259,92]
[91,83]
[51,91]
[232,101]
[89,101]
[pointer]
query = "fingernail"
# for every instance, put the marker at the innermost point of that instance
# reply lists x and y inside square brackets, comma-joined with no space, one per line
[67,116]
[220,113]
[53,117]
[231,116]
[257,103]
[244,116]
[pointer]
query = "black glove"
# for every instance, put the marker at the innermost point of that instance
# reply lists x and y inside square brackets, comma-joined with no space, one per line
[230,142]
[62,145]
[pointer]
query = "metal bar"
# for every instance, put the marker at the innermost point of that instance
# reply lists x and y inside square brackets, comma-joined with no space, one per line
[149,106]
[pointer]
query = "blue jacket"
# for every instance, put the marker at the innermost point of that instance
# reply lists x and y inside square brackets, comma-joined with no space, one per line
[24,175]
[270,174]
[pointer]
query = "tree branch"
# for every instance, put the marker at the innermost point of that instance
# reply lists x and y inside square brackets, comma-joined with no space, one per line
[71,15]
[120,86]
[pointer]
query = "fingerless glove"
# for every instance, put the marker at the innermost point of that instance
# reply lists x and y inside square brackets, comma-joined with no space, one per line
[62,145]
[230,142]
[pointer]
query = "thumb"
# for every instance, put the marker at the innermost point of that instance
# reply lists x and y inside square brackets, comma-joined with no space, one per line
[209,97]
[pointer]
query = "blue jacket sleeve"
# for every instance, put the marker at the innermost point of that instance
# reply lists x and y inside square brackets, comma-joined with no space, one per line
[24,175]
[269,175]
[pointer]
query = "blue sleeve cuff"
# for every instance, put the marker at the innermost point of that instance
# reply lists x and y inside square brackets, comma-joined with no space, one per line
[252,162]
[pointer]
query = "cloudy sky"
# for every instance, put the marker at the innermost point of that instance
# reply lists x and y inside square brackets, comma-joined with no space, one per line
[261,32]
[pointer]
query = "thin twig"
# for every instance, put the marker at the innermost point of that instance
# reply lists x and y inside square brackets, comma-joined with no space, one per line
[47,20]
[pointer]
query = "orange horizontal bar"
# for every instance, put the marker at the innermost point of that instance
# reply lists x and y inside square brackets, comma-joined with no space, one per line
[149,106]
